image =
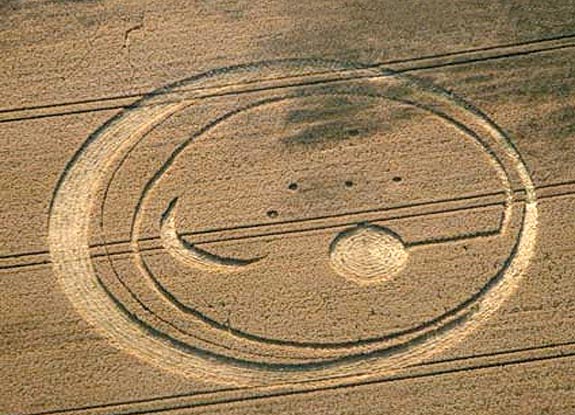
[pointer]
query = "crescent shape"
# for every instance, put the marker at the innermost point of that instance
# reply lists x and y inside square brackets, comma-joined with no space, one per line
[78,190]
[192,256]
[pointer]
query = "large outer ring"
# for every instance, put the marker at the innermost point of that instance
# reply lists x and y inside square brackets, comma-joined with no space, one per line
[69,248]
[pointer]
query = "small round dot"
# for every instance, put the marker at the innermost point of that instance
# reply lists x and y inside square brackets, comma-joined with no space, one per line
[397,179]
[273,213]
[348,183]
[293,186]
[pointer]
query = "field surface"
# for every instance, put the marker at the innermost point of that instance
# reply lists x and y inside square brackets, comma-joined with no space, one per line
[253,207]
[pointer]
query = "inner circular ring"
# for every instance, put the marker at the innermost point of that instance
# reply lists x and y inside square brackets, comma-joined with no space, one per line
[396,337]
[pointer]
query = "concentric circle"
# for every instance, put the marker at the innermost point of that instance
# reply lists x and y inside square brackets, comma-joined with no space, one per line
[368,254]
[140,314]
